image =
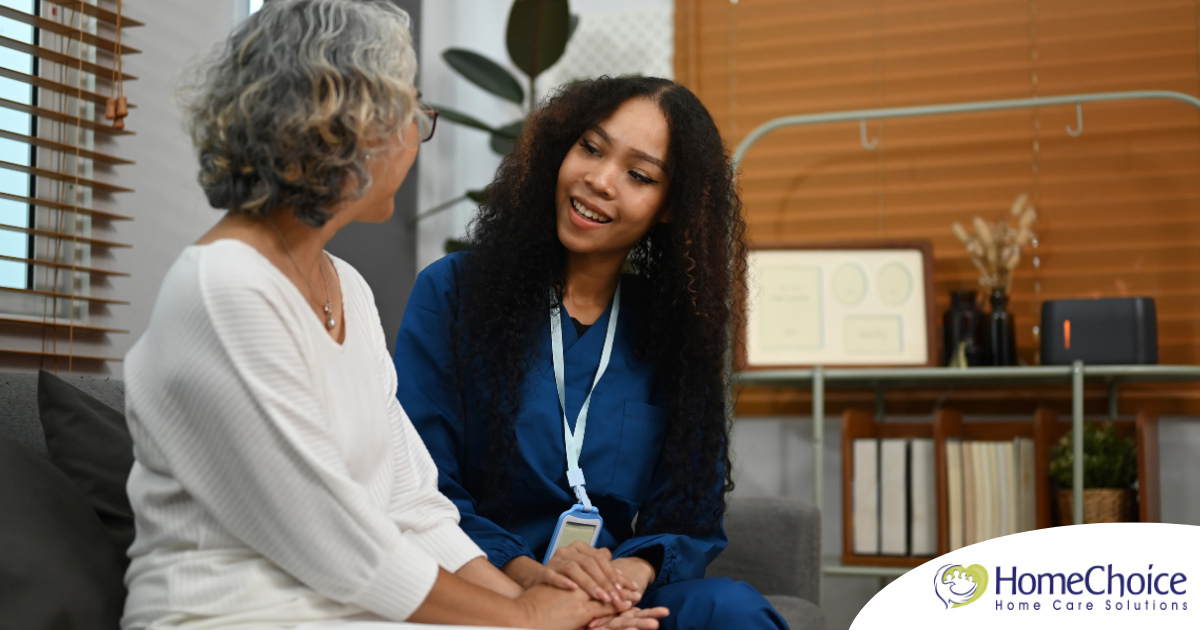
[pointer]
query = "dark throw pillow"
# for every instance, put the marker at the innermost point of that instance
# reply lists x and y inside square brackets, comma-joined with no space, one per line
[89,442]
[58,568]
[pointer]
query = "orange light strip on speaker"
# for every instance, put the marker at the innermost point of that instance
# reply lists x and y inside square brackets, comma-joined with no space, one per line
[1067,334]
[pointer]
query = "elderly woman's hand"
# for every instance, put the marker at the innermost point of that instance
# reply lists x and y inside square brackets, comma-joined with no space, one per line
[640,618]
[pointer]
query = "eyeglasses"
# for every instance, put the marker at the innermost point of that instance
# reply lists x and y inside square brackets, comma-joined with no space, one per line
[426,120]
[426,123]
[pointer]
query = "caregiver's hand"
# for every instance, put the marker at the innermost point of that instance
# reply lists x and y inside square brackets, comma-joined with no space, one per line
[579,566]
[636,569]
[640,618]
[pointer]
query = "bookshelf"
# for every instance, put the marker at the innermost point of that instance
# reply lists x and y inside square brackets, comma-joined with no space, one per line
[1044,432]
[818,379]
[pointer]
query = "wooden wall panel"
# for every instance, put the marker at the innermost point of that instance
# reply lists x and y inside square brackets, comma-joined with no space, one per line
[1119,206]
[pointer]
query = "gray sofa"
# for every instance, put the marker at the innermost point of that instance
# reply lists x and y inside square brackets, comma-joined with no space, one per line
[774,544]
[19,404]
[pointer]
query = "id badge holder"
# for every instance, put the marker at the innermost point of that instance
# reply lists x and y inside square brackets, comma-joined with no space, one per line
[575,525]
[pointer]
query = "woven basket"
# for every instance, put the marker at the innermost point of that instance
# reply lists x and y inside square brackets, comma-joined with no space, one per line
[1100,505]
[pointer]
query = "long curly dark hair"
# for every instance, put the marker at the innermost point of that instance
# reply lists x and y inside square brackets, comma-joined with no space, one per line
[690,269]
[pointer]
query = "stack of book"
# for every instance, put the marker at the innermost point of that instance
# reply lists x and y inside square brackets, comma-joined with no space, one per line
[914,490]
[990,489]
[895,497]
[990,492]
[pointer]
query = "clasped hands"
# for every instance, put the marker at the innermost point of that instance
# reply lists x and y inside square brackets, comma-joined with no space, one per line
[619,583]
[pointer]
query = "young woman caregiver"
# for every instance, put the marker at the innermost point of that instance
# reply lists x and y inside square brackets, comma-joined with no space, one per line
[566,373]
[277,482]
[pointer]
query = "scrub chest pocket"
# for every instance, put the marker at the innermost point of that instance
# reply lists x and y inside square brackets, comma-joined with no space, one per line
[643,429]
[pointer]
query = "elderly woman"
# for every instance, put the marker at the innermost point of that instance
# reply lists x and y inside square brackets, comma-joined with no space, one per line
[278,482]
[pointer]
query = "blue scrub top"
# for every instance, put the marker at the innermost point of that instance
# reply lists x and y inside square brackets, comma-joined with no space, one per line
[626,428]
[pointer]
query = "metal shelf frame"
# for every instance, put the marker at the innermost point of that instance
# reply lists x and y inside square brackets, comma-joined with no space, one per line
[880,379]
[863,115]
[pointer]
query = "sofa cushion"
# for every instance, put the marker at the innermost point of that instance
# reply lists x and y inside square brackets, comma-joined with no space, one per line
[90,443]
[59,568]
[19,411]
[774,545]
[800,614]
[107,390]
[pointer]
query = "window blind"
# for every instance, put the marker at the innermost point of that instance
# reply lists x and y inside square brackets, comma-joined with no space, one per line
[1119,206]
[60,318]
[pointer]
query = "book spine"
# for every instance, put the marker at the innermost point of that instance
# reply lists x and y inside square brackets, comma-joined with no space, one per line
[866,496]
[970,495]
[995,501]
[1001,516]
[924,498]
[1009,452]
[983,490]
[893,488]
[954,493]
[1028,487]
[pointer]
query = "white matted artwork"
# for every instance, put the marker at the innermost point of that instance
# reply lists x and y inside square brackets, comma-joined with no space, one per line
[839,306]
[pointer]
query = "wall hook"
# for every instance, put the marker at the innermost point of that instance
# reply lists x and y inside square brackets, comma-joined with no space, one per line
[1075,133]
[862,136]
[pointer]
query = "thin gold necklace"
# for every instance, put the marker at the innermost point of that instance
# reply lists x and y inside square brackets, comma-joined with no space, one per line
[330,322]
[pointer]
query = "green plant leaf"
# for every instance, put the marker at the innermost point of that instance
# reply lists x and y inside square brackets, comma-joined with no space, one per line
[502,139]
[485,73]
[479,196]
[1109,458]
[537,34]
[462,119]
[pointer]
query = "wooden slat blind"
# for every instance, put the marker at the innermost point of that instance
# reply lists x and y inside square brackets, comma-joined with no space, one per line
[1119,206]
[61,321]
[72,61]
[64,29]
[54,86]
[90,9]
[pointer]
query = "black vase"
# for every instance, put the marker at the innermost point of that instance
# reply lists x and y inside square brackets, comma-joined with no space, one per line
[963,325]
[1002,335]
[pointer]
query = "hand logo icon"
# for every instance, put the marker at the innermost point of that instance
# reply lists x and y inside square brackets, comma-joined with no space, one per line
[958,586]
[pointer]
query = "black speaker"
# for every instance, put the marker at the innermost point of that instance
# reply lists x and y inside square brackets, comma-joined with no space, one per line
[1109,331]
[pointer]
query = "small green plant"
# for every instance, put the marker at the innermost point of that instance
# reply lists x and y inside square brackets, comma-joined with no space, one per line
[1109,458]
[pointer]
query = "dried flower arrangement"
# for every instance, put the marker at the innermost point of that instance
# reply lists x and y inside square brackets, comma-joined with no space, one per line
[996,248]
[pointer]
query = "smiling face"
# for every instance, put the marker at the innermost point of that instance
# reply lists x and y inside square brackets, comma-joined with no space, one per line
[613,181]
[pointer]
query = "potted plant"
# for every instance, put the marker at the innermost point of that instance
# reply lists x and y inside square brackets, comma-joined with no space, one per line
[536,38]
[1109,472]
[995,250]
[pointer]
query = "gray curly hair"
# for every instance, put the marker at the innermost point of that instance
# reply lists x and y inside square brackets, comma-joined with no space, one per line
[286,111]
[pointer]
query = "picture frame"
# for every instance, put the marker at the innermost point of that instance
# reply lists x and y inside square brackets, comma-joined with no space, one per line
[867,303]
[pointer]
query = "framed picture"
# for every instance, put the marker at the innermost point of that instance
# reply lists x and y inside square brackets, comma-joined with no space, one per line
[863,303]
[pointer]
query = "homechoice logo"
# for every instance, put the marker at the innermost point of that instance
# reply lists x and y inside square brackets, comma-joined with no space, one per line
[1104,576]
[1099,587]
[958,586]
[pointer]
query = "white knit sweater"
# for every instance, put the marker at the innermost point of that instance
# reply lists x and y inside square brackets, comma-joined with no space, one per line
[277,479]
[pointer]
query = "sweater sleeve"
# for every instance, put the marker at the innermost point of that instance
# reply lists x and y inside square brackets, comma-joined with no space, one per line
[442,538]
[238,420]
[428,391]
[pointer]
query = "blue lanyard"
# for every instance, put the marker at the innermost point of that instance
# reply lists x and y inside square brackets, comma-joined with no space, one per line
[573,441]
